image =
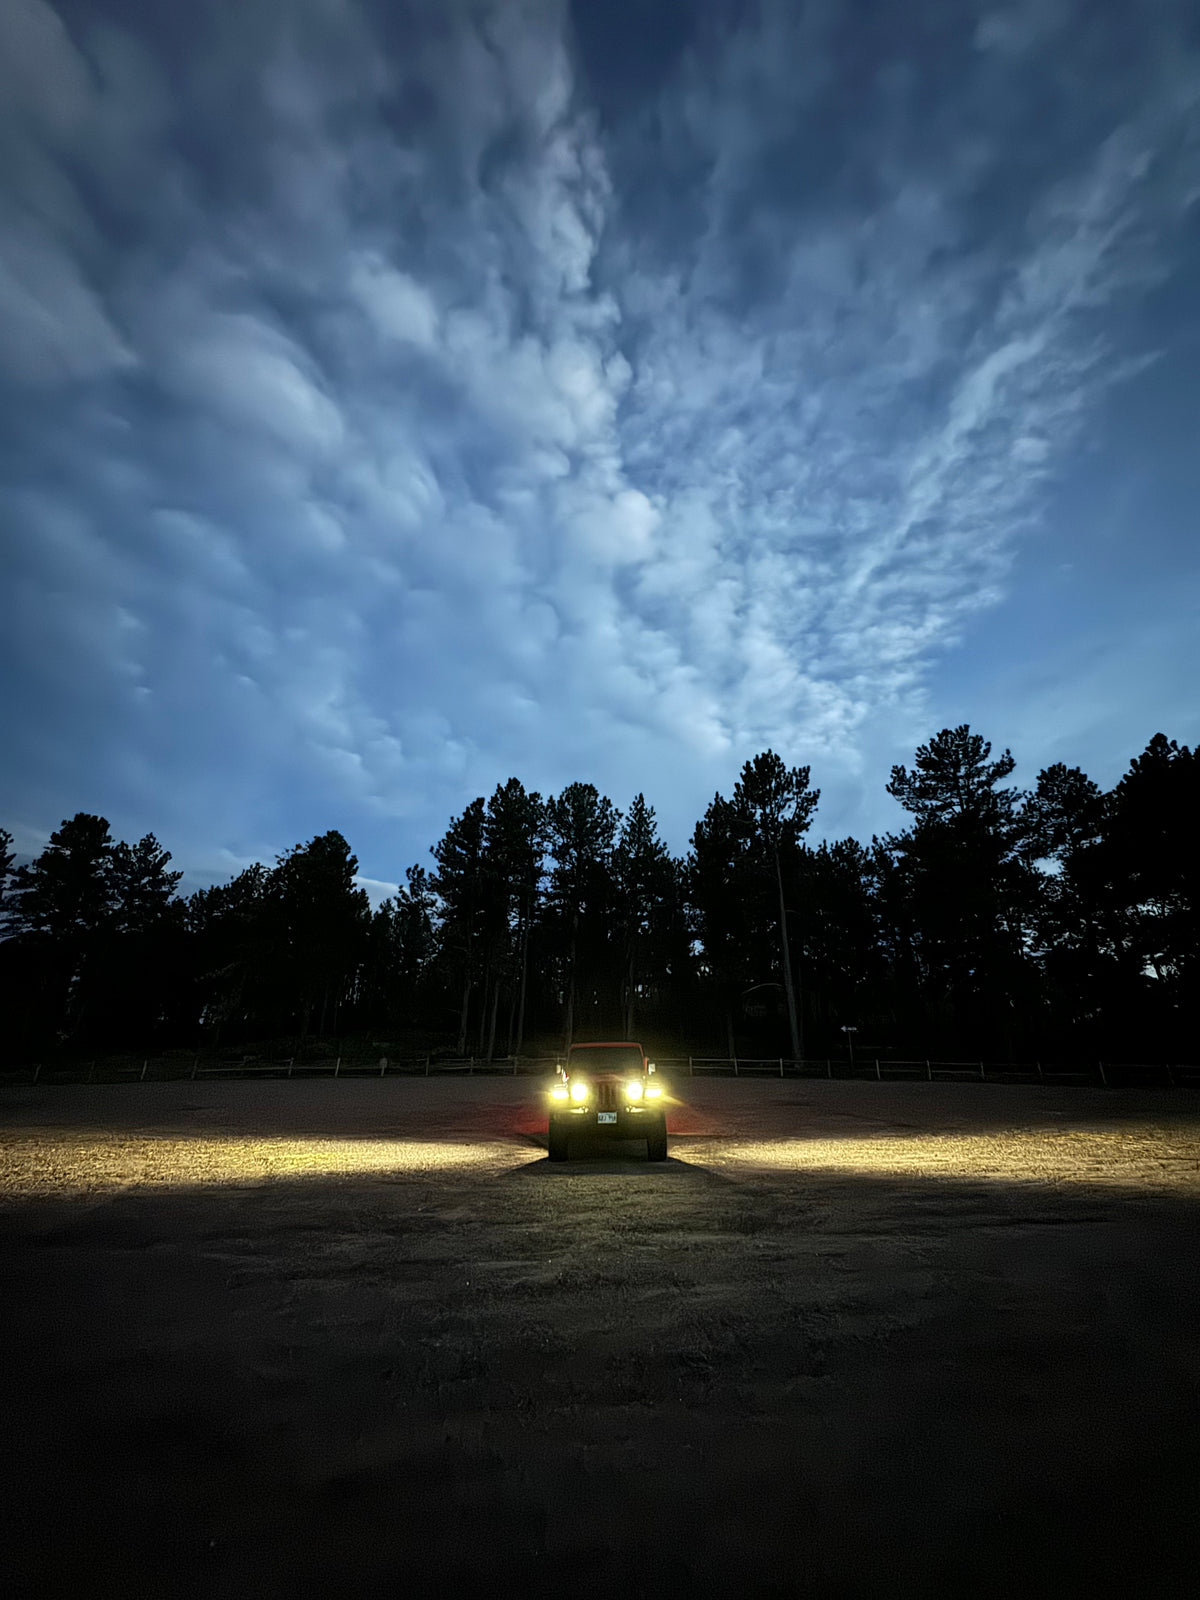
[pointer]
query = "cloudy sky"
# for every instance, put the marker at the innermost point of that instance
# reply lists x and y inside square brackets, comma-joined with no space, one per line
[398,395]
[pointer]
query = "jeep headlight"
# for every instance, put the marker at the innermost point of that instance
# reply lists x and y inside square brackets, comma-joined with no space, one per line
[579,1090]
[633,1088]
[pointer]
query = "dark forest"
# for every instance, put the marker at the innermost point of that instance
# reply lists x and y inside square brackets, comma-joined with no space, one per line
[1000,923]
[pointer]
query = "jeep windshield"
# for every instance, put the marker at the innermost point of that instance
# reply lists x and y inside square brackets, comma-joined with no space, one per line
[605,1058]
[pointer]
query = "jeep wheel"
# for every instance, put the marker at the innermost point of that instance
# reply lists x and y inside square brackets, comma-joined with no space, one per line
[656,1143]
[560,1139]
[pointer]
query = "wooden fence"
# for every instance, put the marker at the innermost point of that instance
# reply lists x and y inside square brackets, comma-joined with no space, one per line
[124,1069]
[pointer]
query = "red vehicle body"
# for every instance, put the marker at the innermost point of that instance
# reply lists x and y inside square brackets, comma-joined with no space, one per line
[607,1089]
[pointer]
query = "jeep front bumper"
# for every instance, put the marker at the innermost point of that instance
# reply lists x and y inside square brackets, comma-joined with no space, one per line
[618,1122]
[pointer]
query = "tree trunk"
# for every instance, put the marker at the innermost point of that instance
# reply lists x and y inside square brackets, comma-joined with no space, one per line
[630,993]
[462,1017]
[510,1032]
[788,984]
[569,1029]
[570,1021]
[491,1038]
[521,1001]
[483,1007]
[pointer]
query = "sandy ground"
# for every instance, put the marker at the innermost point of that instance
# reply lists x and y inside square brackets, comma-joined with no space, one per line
[361,1339]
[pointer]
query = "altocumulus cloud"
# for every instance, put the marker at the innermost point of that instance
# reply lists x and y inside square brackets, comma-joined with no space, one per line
[398,397]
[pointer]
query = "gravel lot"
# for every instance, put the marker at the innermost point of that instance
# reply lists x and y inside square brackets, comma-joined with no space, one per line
[359,1338]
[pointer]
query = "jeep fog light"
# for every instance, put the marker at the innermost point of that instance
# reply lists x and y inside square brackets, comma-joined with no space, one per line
[559,1092]
[579,1090]
[653,1090]
[633,1088]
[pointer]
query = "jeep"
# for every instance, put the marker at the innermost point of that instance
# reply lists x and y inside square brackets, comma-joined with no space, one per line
[608,1090]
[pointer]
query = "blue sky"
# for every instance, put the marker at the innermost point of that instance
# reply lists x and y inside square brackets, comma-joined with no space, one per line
[398,397]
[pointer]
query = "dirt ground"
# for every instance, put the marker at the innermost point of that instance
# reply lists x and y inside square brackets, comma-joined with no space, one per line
[362,1339]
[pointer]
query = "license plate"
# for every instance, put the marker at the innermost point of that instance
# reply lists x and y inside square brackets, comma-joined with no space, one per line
[606,1116]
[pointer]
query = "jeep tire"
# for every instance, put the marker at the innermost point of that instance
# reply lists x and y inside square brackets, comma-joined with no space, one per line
[656,1142]
[560,1139]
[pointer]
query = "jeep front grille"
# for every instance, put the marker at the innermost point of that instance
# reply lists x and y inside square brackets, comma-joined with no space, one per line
[606,1096]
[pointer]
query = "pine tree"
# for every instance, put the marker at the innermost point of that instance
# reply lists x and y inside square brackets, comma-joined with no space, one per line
[841,934]
[459,886]
[1145,875]
[6,873]
[965,873]
[581,825]
[401,949]
[643,878]
[63,907]
[776,805]
[321,921]
[234,947]
[142,886]
[514,848]
[954,781]
[724,899]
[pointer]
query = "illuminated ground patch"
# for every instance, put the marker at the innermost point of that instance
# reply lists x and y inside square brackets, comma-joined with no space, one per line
[1136,1156]
[61,1163]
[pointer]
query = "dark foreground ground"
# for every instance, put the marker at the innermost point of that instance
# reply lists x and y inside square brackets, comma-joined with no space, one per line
[361,1339]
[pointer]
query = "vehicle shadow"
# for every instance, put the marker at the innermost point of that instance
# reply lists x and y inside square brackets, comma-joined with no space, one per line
[606,1158]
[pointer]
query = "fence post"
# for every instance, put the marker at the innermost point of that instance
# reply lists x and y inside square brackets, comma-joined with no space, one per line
[735,1070]
[981,1072]
[426,1066]
[195,1063]
[1041,1077]
[92,1072]
[382,1065]
[337,1066]
[781,1066]
[878,1074]
[929,1072]
[691,1069]
[1103,1079]
[36,1070]
[145,1064]
[829,1066]
[291,1059]
[1167,1064]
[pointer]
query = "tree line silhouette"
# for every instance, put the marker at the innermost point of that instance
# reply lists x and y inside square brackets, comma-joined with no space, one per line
[1060,922]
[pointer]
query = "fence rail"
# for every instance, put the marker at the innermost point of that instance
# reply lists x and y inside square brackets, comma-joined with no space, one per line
[144,1069]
